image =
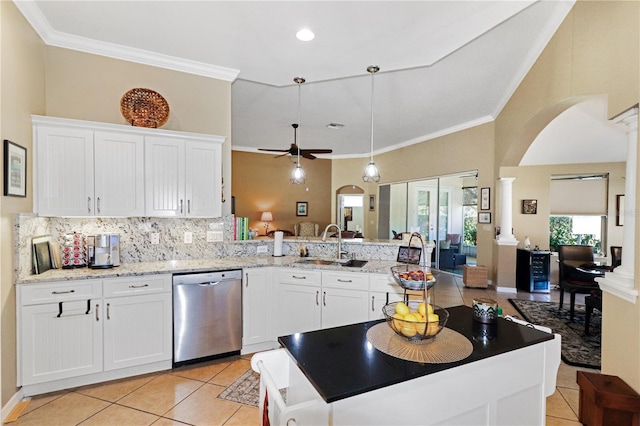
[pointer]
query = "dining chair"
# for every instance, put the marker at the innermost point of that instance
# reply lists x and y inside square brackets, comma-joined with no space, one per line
[616,256]
[573,280]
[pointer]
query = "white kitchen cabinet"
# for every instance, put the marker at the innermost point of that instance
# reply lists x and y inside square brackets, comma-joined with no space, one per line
[59,331]
[118,174]
[183,177]
[383,290]
[257,311]
[344,298]
[137,323]
[298,304]
[85,331]
[80,171]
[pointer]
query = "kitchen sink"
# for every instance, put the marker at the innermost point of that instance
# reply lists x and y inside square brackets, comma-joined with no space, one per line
[317,262]
[353,263]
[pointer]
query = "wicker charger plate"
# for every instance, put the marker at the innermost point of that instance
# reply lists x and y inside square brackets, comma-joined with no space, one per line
[144,108]
[448,346]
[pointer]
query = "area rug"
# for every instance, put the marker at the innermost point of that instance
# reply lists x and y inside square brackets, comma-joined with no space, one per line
[577,348]
[245,390]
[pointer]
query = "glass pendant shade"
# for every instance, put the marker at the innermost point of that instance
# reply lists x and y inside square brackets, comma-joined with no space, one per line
[371,173]
[297,175]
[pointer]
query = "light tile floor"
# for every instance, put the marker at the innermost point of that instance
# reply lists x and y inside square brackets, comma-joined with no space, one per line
[188,395]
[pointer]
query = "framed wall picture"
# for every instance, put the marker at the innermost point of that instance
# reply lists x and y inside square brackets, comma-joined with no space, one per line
[529,206]
[485,199]
[372,203]
[15,169]
[301,208]
[620,210]
[484,217]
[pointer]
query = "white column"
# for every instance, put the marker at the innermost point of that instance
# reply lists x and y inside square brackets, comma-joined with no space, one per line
[506,214]
[620,282]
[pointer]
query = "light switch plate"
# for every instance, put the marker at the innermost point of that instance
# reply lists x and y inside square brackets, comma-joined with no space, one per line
[188,237]
[262,249]
[155,238]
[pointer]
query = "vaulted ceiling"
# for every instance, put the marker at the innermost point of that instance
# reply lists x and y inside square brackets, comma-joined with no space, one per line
[444,65]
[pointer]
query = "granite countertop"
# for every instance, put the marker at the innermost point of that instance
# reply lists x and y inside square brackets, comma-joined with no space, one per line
[339,361]
[195,265]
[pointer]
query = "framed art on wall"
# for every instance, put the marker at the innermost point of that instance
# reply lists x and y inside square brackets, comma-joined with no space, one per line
[620,210]
[372,203]
[529,206]
[485,199]
[15,169]
[484,217]
[301,208]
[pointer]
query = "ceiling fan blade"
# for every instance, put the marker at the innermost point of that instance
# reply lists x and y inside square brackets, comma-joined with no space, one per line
[307,154]
[273,150]
[318,151]
[281,155]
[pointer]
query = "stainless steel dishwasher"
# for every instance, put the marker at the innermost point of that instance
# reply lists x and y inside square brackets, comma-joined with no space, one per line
[207,314]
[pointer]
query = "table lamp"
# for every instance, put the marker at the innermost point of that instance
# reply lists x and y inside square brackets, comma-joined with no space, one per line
[266,218]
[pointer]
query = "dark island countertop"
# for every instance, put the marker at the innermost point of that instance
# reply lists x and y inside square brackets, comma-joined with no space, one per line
[340,362]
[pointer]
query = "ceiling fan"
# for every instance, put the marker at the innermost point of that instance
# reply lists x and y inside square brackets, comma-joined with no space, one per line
[293,150]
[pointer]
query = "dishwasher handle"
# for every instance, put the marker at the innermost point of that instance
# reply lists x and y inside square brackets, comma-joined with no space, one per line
[209,283]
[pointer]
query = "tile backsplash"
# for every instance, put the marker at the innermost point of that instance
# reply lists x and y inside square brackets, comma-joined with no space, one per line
[135,236]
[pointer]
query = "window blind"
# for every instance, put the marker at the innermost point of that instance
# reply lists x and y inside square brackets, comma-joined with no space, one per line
[578,197]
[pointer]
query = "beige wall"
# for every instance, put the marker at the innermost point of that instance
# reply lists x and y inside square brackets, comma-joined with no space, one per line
[89,87]
[22,86]
[261,183]
[463,151]
[595,51]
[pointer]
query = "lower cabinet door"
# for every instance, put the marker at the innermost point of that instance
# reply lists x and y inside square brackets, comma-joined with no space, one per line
[342,307]
[60,340]
[378,299]
[137,330]
[298,309]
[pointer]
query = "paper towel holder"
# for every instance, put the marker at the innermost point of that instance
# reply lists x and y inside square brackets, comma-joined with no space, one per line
[278,237]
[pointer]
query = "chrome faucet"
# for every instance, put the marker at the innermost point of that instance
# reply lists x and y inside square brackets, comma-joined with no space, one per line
[324,238]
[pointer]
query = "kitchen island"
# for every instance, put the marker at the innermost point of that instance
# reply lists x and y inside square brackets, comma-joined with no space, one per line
[336,376]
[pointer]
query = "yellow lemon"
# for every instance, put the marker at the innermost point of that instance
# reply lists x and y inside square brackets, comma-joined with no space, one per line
[429,309]
[433,318]
[421,326]
[397,322]
[422,309]
[412,317]
[408,330]
[402,308]
[432,328]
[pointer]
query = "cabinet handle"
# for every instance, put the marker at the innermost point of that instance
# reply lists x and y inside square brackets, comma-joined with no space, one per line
[246,279]
[63,292]
[98,208]
[344,281]
[324,298]
[97,307]
[138,286]
[89,204]
[317,294]
[373,303]
[181,210]
[108,314]
[298,278]
[188,206]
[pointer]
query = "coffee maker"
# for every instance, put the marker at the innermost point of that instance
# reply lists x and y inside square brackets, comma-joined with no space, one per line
[103,250]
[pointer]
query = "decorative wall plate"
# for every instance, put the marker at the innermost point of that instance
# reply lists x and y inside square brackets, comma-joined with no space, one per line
[144,108]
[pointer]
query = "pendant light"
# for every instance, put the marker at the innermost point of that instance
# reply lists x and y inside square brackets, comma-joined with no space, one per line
[371,173]
[297,175]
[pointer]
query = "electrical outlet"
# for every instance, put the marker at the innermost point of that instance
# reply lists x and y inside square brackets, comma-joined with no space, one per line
[188,237]
[155,238]
[262,249]
[211,236]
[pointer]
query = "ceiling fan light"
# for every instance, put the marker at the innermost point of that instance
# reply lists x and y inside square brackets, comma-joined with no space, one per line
[371,173]
[305,34]
[297,175]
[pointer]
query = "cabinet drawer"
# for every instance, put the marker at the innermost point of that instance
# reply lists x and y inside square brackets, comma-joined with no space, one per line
[380,282]
[299,276]
[36,294]
[147,284]
[346,280]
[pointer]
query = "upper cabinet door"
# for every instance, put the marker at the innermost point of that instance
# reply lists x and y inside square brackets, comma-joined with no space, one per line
[119,174]
[164,177]
[203,179]
[63,171]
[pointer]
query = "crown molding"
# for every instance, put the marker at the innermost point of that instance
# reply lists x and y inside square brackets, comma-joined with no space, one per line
[51,37]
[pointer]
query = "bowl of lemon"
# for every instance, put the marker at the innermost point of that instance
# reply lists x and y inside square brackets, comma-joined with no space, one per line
[415,320]
[413,277]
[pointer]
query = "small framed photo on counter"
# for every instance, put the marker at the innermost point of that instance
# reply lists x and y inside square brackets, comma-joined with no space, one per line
[484,217]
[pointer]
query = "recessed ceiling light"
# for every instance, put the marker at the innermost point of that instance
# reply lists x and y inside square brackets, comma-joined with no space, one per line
[305,34]
[337,126]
